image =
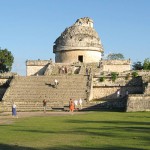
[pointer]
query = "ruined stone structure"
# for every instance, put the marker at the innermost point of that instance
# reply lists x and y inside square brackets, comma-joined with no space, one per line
[116,65]
[79,67]
[36,67]
[80,42]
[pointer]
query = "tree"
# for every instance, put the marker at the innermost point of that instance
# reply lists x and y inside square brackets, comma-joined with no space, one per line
[6,60]
[146,64]
[117,56]
[137,65]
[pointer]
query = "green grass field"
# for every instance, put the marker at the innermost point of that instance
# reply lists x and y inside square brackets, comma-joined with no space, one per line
[90,131]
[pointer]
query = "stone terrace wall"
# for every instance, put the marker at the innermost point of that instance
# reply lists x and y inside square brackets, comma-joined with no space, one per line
[108,89]
[116,65]
[138,102]
[34,67]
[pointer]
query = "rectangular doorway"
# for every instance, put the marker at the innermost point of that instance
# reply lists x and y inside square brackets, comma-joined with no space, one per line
[80,58]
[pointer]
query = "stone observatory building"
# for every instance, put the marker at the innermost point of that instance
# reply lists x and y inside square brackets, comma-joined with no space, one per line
[78,43]
[82,73]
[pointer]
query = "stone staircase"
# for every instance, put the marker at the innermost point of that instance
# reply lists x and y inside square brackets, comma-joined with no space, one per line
[29,92]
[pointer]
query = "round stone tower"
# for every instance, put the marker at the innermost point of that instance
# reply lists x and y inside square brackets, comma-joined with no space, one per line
[80,42]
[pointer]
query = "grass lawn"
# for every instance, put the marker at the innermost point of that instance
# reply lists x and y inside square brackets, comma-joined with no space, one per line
[90,131]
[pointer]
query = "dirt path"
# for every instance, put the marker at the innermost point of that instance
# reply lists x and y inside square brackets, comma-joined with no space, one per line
[6,117]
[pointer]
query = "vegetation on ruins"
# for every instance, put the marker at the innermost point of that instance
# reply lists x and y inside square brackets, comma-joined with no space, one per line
[127,76]
[139,65]
[89,131]
[6,60]
[115,56]
[114,76]
[102,79]
[134,74]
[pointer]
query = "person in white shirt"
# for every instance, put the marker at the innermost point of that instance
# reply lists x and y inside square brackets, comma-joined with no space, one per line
[14,111]
[127,92]
[56,83]
[80,103]
[76,104]
[118,93]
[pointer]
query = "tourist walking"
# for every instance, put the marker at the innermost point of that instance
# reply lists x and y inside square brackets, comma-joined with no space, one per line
[127,92]
[66,70]
[87,71]
[76,104]
[14,110]
[44,105]
[56,83]
[118,93]
[63,69]
[80,103]
[71,105]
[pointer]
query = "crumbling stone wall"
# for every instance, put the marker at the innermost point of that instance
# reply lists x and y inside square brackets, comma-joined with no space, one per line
[36,67]
[108,89]
[138,102]
[116,65]
[110,92]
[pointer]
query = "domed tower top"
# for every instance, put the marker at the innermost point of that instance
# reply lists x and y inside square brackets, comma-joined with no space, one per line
[86,21]
[81,36]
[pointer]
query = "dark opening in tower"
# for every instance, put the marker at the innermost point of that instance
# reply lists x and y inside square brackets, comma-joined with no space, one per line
[80,58]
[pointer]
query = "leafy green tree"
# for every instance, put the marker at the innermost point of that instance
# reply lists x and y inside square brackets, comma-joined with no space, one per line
[137,65]
[146,64]
[6,60]
[115,56]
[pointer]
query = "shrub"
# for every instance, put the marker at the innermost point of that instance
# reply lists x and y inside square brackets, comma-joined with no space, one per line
[114,76]
[102,79]
[134,74]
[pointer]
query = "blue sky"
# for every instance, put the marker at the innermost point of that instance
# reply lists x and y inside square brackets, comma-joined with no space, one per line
[28,28]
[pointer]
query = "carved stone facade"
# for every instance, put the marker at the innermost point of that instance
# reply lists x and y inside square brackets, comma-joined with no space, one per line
[80,42]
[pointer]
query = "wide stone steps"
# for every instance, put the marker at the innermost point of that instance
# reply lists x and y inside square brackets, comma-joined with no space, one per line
[30,91]
[61,98]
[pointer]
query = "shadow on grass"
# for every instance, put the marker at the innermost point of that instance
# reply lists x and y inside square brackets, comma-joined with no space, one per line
[14,147]
[109,122]
[65,147]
